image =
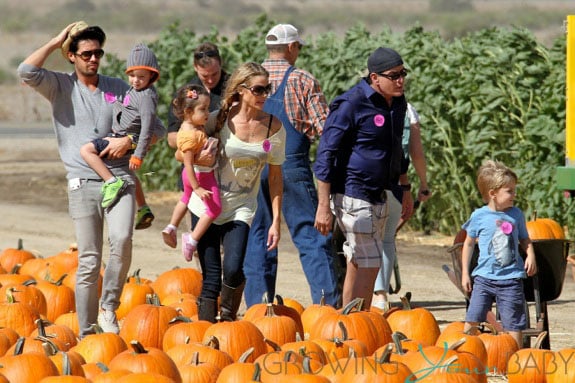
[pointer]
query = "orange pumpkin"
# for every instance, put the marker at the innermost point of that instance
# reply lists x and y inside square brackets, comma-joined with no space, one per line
[181,354]
[279,329]
[260,310]
[417,324]
[27,368]
[529,365]
[100,347]
[560,369]
[313,313]
[61,297]
[237,337]
[199,372]
[146,360]
[28,293]
[183,330]
[357,324]
[147,323]
[11,257]
[21,317]
[544,228]
[63,334]
[289,302]
[134,294]
[184,280]
[499,346]
[145,377]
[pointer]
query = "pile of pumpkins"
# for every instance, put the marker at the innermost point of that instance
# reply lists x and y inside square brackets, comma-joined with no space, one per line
[161,339]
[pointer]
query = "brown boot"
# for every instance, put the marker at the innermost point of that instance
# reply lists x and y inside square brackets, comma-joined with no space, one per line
[231,298]
[207,309]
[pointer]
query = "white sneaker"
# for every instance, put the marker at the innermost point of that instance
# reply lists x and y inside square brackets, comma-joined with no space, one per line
[107,321]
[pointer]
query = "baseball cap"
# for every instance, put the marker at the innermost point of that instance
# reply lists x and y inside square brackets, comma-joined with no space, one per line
[283,34]
[383,59]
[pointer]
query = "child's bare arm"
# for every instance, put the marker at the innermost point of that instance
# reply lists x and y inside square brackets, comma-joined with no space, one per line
[530,262]
[466,254]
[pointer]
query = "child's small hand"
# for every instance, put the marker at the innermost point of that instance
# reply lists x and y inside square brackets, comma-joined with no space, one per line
[530,266]
[203,193]
[466,283]
[135,163]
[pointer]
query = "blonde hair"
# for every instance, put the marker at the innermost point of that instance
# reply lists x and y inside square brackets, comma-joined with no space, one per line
[493,175]
[241,76]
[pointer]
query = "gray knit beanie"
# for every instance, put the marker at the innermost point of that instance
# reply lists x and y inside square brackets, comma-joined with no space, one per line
[141,57]
[383,59]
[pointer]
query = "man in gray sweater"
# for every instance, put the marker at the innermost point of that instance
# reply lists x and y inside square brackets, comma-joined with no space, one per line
[81,113]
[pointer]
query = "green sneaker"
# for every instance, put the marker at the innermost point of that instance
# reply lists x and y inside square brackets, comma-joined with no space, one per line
[112,191]
[144,218]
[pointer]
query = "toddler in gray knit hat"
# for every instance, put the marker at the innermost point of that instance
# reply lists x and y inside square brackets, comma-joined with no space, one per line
[135,117]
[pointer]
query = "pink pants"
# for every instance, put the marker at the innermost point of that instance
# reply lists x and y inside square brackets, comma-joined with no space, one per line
[208,182]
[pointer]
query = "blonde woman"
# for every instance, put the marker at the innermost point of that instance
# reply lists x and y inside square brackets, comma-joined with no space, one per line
[250,139]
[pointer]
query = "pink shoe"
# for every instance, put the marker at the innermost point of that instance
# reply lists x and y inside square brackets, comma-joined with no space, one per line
[170,236]
[187,248]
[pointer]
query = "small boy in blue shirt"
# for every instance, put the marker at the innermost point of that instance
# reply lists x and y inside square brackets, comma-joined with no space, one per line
[499,228]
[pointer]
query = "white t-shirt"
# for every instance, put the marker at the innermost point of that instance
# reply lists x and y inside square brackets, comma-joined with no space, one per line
[238,175]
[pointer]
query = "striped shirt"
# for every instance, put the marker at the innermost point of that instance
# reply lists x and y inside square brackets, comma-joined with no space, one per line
[305,103]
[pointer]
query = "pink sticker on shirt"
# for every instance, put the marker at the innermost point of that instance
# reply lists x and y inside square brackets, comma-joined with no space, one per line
[379,120]
[267,145]
[109,97]
[126,100]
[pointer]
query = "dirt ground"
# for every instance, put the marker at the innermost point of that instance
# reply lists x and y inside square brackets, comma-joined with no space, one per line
[33,206]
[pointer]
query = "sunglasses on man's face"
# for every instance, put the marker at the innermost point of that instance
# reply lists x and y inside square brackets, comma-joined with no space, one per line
[259,90]
[87,55]
[210,53]
[394,76]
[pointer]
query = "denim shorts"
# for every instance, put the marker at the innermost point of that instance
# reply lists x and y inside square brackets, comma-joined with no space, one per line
[363,225]
[510,298]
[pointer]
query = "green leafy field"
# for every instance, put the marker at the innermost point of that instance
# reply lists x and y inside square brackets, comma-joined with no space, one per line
[495,93]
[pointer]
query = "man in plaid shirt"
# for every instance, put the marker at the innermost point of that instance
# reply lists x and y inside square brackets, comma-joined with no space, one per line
[301,106]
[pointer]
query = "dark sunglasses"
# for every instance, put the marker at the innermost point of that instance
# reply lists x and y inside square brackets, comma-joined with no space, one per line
[201,55]
[87,55]
[395,75]
[259,90]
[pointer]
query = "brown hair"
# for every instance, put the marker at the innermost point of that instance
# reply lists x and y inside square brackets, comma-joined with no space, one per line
[187,97]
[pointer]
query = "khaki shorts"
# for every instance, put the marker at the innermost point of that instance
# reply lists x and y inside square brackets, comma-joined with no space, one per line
[363,225]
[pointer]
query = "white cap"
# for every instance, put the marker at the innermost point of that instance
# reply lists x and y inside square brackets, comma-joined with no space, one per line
[283,34]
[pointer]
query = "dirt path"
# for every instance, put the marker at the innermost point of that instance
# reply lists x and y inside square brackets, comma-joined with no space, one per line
[33,206]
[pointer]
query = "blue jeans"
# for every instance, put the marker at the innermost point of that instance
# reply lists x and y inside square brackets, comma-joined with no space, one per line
[316,253]
[234,237]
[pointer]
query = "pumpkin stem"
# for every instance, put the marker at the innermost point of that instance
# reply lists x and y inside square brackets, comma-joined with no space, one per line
[385,357]
[30,282]
[256,377]
[298,337]
[195,359]
[102,367]
[244,357]
[59,281]
[406,301]
[276,347]
[19,347]
[138,347]
[322,299]
[20,244]
[344,333]
[397,337]
[539,339]
[96,328]
[491,328]
[457,344]
[356,303]
[10,298]
[181,318]
[280,300]
[213,342]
